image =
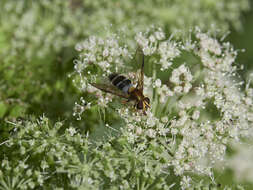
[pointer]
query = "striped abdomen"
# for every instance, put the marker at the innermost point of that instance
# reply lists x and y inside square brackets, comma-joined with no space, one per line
[120,81]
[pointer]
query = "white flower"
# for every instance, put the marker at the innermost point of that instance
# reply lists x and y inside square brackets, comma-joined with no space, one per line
[187,87]
[152,39]
[178,89]
[71,131]
[130,126]
[164,119]
[105,52]
[158,83]
[151,133]
[195,114]
[104,64]
[190,89]
[174,131]
[186,182]
[138,130]
[159,35]
[151,122]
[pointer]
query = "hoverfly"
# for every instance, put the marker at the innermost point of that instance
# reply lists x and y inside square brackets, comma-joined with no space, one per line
[123,87]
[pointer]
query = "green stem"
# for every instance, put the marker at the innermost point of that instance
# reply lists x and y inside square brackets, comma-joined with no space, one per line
[154,98]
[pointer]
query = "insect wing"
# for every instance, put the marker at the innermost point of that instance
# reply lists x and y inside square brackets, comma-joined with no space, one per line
[140,60]
[110,89]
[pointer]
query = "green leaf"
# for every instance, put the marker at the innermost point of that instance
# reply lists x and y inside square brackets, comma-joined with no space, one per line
[17,111]
[3,109]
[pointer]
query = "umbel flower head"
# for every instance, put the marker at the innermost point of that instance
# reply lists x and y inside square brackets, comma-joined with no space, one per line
[37,35]
[197,103]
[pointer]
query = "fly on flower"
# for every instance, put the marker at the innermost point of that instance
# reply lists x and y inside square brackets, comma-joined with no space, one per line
[123,87]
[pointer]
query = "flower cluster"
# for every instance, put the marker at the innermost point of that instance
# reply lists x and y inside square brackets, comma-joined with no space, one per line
[109,51]
[181,78]
[197,103]
[239,162]
[39,154]
[38,37]
[40,27]
[197,106]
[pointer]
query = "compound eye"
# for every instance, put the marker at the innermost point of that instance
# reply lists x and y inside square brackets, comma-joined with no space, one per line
[146,99]
[139,105]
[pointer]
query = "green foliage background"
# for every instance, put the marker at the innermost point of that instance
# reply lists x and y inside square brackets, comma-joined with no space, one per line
[37,41]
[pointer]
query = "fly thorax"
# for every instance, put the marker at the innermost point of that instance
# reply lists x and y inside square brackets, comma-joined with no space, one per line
[126,88]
